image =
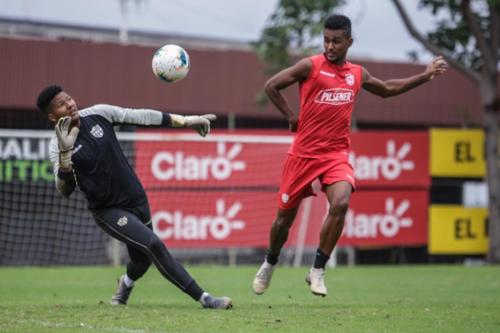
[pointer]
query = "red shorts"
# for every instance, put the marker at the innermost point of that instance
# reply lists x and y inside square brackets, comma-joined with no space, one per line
[299,173]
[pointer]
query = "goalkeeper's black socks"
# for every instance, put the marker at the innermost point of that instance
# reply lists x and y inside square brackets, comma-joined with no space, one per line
[271,258]
[320,260]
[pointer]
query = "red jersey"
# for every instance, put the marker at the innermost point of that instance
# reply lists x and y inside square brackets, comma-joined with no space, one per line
[326,105]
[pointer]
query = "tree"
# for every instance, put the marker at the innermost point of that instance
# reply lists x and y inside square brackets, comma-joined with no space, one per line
[468,38]
[291,30]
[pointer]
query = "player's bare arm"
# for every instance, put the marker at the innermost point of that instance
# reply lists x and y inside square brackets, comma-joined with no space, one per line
[394,87]
[296,73]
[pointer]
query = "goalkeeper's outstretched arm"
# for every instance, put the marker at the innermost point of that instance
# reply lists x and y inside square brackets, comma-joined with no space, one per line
[148,117]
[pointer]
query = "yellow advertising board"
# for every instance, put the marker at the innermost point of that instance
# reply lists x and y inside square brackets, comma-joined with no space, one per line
[457,153]
[454,229]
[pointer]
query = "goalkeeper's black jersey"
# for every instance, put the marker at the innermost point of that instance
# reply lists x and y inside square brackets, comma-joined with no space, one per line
[102,171]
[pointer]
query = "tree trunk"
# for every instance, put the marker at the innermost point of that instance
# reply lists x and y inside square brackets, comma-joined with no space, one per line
[492,178]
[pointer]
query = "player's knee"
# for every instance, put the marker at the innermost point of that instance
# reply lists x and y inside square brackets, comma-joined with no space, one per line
[155,244]
[339,208]
[283,222]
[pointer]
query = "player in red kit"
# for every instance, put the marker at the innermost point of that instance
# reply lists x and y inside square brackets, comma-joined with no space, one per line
[328,85]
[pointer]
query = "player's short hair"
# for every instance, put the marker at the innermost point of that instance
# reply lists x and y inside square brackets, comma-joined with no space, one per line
[46,96]
[339,22]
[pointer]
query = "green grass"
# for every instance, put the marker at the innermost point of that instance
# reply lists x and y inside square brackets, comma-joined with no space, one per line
[362,299]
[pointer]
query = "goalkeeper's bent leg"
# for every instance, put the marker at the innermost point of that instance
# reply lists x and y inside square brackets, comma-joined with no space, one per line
[128,228]
[139,263]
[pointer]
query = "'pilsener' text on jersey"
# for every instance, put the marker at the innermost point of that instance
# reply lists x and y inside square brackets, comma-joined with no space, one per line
[326,105]
[102,171]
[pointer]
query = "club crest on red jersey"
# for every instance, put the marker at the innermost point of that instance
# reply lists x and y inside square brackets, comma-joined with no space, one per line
[349,79]
[336,96]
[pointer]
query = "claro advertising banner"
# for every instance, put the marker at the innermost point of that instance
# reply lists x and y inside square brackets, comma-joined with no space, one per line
[221,191]
[218,160]
[391,159]
[243,219]
[380,159]
[374,218]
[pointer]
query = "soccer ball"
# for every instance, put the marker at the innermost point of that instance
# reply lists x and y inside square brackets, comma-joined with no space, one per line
[170,63]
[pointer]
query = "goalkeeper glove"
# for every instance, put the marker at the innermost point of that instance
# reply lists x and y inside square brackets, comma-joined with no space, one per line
[200,124]
[66,139]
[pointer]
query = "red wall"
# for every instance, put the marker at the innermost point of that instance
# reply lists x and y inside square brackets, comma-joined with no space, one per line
[220,81]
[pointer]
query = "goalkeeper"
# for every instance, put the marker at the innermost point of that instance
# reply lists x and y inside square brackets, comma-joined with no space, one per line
[85,151]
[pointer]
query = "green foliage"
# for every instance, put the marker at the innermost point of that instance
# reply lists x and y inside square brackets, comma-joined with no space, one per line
[452,33]
[292,29]
[361,299]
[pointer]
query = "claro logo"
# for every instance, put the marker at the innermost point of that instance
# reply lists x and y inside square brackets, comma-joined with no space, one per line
[386,225]
[180,226]
[388,167]
[167,165]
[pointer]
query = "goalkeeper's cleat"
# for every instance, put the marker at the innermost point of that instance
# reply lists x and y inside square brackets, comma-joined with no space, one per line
[316,281]
[263,277]
[122,292]
[210,302]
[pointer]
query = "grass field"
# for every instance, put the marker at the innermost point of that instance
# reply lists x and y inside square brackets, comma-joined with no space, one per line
[361,299]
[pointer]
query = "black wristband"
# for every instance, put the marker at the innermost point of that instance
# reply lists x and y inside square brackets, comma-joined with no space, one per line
[65,175]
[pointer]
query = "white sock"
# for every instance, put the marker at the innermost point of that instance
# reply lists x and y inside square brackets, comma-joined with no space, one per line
[202,298]
[128,281]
